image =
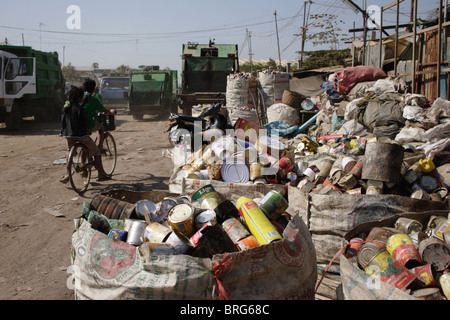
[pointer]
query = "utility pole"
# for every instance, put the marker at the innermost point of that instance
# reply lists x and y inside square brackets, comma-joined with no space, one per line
[278,42]
[250,53]
[305,26]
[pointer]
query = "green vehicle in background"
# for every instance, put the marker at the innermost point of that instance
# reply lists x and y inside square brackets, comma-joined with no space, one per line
[205,68]
[152,92]
[31,85]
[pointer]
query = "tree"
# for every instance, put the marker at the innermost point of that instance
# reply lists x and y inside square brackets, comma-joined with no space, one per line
[70,73]
[330,33]
[123,70]
[325,58]
[271,64]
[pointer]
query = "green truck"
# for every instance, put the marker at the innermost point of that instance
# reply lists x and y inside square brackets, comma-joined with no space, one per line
[31,84]
[205,68]
[152,92]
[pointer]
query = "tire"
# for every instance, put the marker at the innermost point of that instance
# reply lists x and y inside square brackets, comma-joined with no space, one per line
[109,154]
[14,119]
[78,169]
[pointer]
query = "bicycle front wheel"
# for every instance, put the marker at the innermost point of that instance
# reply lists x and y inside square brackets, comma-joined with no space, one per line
[109,154]
[78,168]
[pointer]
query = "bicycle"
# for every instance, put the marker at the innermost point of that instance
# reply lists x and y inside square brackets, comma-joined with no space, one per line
[79,163]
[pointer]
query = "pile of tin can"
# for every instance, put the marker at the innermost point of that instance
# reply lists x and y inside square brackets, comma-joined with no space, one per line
[359,166]
[408,255]
[200,225]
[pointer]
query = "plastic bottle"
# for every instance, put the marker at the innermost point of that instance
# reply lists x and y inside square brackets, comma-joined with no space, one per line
[428,167]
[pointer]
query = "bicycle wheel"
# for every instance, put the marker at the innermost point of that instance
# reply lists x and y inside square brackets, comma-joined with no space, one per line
[78,168]
[109,154]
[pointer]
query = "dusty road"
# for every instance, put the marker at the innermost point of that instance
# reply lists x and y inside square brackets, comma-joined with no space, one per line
[37,211]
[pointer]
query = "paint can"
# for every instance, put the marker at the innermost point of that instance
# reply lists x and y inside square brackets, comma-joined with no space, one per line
[151,207]
[273,205]
[247,243]
[407,226]
[207,196]
[444,281]
[118,234]
[284,166]
[235,229]
[403,250]
[427,294]
[374,187]
[257,222]
[136,232]
[204,217]
[255,170]
[434,251]
[181,218]
[426,275]
[179,242]
[156,233]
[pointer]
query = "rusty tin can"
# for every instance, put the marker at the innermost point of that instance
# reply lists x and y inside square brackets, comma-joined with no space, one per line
[179,242]
[403,250]
[434,251]
[235,229]
[407,226]
[374,187]
[181,218]
[156,233]
[368,251]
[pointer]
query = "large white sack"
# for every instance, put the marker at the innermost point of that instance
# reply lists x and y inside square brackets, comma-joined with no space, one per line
[283,112]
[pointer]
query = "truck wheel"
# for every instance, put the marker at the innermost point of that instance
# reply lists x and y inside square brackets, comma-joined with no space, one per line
[138,116]
[14,119]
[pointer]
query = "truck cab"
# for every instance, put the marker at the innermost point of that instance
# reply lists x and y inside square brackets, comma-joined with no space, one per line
[17,78]
[114,91]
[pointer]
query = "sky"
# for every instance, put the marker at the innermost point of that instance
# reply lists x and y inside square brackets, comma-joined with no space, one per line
[149,32]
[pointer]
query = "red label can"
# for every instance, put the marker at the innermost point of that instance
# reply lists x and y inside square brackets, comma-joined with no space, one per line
[284,165]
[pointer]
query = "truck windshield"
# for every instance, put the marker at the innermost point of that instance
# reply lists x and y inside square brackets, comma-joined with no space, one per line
[118,84]
[18,67]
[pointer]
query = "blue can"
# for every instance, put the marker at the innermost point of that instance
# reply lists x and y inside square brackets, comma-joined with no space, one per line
[118,234]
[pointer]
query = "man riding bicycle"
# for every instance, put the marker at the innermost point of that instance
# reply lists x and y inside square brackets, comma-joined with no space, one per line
[92,106]
[74,129]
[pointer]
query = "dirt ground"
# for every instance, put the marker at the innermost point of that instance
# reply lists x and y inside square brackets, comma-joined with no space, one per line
[37,211]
